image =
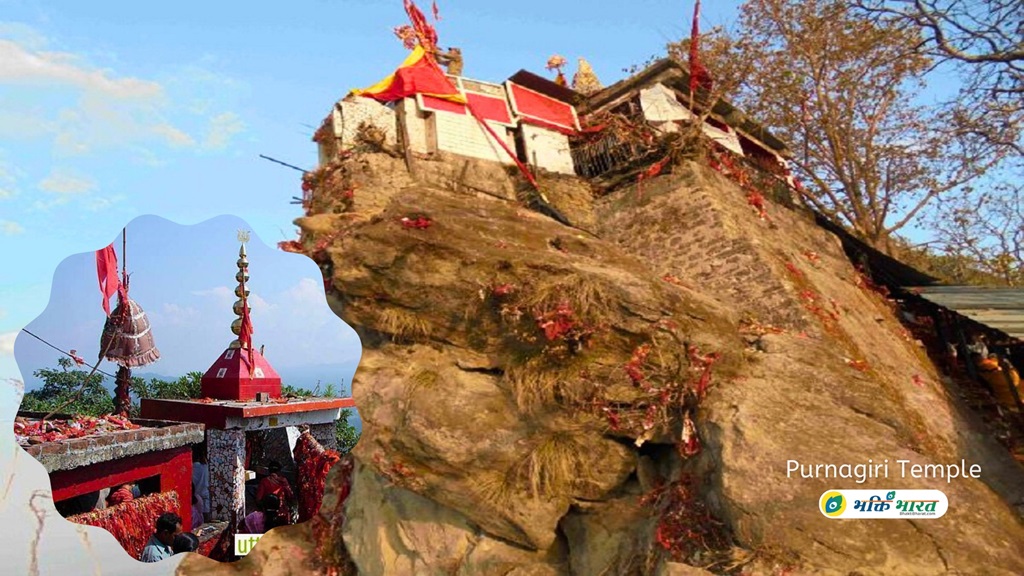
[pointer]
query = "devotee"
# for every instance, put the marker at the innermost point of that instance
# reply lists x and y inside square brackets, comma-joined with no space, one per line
[1002,378]
[122,493]
[277,485]
[185,542]
[197,516]
[201,480]
[267,517]
[159,547]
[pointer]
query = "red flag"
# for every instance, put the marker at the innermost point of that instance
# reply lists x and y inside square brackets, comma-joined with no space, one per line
[245,334]
[437,15]
[419,74]
[698,74]
[106,270]
[424,31]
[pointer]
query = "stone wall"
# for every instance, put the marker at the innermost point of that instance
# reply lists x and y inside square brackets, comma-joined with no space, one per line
[706,246]
[325,435]
[70,454]
[348,115]
[226,457]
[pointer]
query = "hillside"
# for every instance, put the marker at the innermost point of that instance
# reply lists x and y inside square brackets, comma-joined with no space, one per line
[622,397]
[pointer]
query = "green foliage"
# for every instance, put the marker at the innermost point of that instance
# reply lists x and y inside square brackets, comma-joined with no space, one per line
[346,432]
[62,384]
[288,390]
[187,386]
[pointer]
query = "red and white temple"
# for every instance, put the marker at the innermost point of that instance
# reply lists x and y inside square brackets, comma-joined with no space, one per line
[242,398]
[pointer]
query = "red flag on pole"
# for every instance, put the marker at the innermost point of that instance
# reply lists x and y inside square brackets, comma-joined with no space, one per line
[698,74]
[245,335]
[106,270]
[424,31]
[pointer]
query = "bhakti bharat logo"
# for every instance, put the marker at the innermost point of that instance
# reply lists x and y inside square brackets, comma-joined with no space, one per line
[832,503]
[872,504]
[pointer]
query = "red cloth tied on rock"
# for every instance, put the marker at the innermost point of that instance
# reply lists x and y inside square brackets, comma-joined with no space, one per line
[314,462]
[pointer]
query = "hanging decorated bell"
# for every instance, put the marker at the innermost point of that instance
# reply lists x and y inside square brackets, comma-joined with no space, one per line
[127,338]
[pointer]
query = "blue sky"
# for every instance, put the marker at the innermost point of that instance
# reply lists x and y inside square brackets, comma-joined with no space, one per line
[113,110]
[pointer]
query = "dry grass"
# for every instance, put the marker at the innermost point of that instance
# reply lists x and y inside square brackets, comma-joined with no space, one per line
[537,384]
[422,380]
[589,300]
[497,488]
[402,325]
[553,466]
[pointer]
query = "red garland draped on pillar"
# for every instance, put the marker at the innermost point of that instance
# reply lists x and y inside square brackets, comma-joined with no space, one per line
[314,462]
[131,522]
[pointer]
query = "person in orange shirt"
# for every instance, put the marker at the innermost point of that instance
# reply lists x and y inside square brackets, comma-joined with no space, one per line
[1003,378]
[276,484]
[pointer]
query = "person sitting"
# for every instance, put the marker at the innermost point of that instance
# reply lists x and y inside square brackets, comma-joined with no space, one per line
[185,542]
[267,517]
[168,525]
[123,493]
[1002,378]
[277,485]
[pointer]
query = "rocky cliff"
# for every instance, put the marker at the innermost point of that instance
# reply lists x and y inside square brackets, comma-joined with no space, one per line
[621,396]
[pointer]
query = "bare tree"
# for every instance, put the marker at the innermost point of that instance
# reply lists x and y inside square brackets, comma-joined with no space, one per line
[984,40]
[985,232]
[841,89]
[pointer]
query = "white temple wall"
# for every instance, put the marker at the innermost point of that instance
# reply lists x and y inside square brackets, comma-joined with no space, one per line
[547,149]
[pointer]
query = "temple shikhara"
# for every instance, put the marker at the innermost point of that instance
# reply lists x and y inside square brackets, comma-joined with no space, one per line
[206,459]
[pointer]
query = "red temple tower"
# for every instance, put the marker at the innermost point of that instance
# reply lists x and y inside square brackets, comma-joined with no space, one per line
[241,372]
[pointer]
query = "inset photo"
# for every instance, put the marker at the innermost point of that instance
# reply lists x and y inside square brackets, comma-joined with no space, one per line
[187,387]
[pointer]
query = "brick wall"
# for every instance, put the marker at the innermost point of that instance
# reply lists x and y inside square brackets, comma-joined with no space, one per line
[696,232]
[462,134]
[417,127]
[547,149]
[348,115]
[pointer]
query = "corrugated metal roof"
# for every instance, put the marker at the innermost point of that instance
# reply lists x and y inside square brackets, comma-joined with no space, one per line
[998,308]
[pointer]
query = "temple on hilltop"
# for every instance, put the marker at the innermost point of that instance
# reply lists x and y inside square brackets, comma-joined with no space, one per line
[248,422]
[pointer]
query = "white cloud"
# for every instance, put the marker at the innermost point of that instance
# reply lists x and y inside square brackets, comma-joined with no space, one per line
[218,292]
[222,128]
[178,315]
[9,175]
[90,109]
[173,136]
[308,292]
[25,63]
[100,203]
[23,34]
[65,182]
[10,228]
[7,343]
[258,304]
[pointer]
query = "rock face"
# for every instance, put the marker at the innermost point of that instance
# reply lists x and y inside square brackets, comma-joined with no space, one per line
[527,387]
